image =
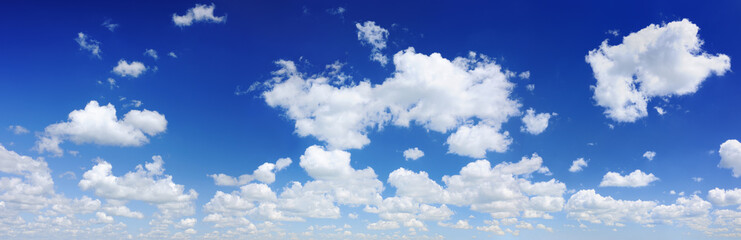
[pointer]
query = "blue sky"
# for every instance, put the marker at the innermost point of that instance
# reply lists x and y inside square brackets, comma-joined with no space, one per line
[178,119]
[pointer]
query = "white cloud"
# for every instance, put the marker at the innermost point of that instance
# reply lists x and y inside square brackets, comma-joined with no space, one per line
[148,184]
[429,90]
[535,123]
[89,44]
[524,75]
[530,87]
[475,141]
[264,173]
[657,61]
[152,53]
[99,125]
[502,190]
[133,69]
[586,205]
[697,179]
[109,25]
[111,83]
[121,210]
[722,197]
[634,179]
[199,13]
[339,11]
[730,156]
[371,34]
[172,54]
[461,224]
[649,155]
[577,165]
[413,154]
[17,129]
[660,110]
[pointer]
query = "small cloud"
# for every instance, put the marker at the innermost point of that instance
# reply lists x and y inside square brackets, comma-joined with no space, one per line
[613,32]
[68,175]
[133,69]
[152,53]
[172,54]
[111,83]
[413,154]
[524,75]
[17,129]
[649,155]
[660,110]
[199,13]
[109,25]
[697,179]
[578,165]
[530,87]
[89,44]
[338,11]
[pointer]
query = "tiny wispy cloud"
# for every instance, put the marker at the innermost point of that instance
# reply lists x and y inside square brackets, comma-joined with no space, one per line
[109,25]
[152,53]
[199,13]
[17,129]
[88,44]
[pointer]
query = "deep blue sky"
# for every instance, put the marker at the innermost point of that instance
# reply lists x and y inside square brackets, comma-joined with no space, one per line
[45,75]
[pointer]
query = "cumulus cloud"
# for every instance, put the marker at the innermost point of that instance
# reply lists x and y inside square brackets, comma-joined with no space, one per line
[502,190]
[587,205]
[657,61]
[722,197]
[429,90]
[535,123]
[371,34]
[649,155]
[634,179]
[199,13]
[100,125]
[413,154]
[17,129]
[147,183]
[730,156]
[264,173]
[577,165]
[133,69]
[88,44]
[152,53]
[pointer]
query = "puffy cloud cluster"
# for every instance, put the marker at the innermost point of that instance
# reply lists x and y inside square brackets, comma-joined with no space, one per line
[199,13]
[634,179]
[88,44]
[100,125]
[334,182]
[535,123]
[649,155]
[264,173]
[657,61]
[371,34]
[503,191]
[133,69]
[470,95]
[147,183]
[587,205]
[722,197]
[730,156]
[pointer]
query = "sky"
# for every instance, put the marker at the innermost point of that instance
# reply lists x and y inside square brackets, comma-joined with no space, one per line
[370,120]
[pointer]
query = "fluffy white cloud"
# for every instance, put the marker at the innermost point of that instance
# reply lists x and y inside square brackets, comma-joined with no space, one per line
[730,156]
[88,44]
[634,179]
[429,90]
[475,140]
[99,125]
[264,173]
[460,224]
[657,61]
[722,197]
[589,206]
[413,154]
[535,123]
[133,69]
[148,184]
[172,55]
[660,110]
[31,192]
[17,129]
[578,165]
[649,155]
[502,190]
[152,53]
[383,225]
[199,13]
[371,34]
